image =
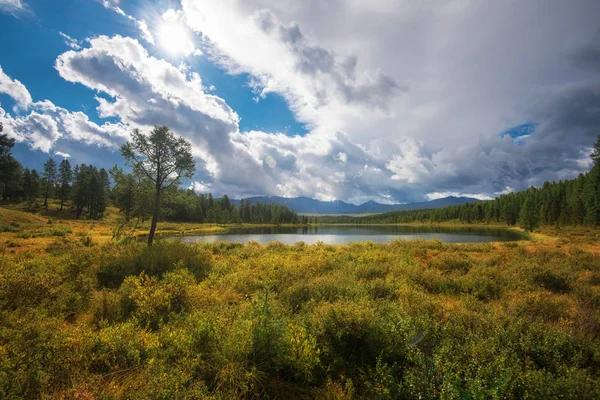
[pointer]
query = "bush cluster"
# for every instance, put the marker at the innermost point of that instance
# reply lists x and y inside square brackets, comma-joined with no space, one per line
[418,319]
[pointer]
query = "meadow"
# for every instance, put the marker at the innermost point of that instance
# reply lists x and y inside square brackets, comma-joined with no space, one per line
[85,317]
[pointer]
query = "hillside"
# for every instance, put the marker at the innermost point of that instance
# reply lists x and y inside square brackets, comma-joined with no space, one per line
[306,205]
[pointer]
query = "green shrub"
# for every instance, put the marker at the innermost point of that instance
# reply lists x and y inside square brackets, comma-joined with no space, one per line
[155,260]
[120,347]
[555,281]
[450,262]
[405,320]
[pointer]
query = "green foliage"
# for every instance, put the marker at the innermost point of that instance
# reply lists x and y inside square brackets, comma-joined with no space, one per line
[187,206]
[165,256]
[569,202]
[161,158]
[65,176]
[89,192]
[10,169]
[529,216]
[49,177]
[407,319]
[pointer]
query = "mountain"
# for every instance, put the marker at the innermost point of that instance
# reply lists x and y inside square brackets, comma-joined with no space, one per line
[306,205]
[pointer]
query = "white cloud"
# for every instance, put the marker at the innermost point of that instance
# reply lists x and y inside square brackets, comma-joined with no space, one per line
[342,157]
[200,187]
[46,123]
[145,32]
[40,131]
[439,135]
[61,154]
[69,41]
[322,87]
[13,6]
[141,24]
[403,101]
[410,165]
[146,91]
[14,89]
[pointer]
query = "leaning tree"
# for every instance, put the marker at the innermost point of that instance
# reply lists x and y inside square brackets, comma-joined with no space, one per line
[162,158]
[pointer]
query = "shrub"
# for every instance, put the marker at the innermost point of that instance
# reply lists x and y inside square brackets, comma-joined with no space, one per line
[121,347]
[555,281]
[155,260]
[87,241]
[450,262]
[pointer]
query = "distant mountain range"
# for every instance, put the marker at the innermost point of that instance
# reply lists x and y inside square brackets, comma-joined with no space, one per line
[306,205]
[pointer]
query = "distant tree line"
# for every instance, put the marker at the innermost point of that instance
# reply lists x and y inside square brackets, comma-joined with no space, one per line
[130,194]
[88,190]
[569,202]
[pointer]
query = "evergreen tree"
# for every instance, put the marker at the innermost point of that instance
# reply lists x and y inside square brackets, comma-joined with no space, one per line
[49,179]
[225,203]
[235,216]
[224,217]
[123,191]
[65,176]
[211,217]
[80,189]
[10,169]
[30,184]
[529,217]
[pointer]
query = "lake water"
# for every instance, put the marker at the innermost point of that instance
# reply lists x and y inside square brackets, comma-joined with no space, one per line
[343,234]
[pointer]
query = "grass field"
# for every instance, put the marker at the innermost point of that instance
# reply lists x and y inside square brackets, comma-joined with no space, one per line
[83,317]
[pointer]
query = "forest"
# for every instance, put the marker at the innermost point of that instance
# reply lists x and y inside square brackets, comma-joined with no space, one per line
[569,202]
[87,190]
[86,316]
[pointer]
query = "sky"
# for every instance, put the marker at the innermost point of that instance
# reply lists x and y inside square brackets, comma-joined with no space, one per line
[393,101]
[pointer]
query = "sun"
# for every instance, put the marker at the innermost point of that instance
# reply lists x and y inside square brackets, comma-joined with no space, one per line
[174,38]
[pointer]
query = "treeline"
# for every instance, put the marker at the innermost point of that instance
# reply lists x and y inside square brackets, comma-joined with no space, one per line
[88,190]
[132,196]
[186,205]
[569,202]
[85,186]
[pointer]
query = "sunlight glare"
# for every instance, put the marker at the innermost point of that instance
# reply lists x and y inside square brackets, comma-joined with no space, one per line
[175,39]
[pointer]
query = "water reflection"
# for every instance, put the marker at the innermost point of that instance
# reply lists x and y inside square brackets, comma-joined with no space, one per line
[343,234]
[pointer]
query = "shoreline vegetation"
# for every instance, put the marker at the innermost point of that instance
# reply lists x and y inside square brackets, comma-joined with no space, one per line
[89,312]
[85,317]
[34,225]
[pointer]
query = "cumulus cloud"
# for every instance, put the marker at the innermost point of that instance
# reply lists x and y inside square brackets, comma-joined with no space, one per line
[145,91]
[40,124]
[14,89]
[403,101]
[46,123]
[321,86]
[411,95]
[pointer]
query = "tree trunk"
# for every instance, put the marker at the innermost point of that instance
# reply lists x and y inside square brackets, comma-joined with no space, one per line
[154,216]
[62,198]
[47,194]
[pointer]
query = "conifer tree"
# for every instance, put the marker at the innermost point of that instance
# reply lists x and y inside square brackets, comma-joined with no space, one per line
[65,176]
[49,179]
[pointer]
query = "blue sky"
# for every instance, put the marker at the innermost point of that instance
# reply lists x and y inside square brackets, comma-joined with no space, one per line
[357,101]
[33,40]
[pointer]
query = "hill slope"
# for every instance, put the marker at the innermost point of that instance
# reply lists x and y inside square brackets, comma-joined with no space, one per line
[306,205]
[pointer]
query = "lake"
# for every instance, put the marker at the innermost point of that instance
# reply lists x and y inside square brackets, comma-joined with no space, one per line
[343,234]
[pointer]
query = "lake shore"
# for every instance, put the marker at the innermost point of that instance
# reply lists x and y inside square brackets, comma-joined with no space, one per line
[323,320]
